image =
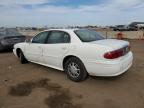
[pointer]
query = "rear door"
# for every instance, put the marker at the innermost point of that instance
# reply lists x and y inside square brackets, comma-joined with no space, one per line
[57,46]
[34,50]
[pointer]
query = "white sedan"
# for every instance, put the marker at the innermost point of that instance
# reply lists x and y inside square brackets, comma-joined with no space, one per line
[78,52]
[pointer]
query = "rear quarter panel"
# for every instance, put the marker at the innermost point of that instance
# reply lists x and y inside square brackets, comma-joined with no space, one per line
[88,52]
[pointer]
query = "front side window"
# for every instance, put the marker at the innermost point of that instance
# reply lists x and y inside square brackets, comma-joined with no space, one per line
[88,35]
[40,38]
[58,37]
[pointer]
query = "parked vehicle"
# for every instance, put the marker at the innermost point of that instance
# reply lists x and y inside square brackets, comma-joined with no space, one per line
[125,28]
[132,28]
[78,52]
[9,37]
[119,28]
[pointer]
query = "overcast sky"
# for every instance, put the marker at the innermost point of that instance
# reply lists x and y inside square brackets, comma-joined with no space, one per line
[70,12]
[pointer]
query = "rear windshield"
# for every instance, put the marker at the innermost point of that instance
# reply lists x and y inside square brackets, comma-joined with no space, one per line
[9,32]
[88,35]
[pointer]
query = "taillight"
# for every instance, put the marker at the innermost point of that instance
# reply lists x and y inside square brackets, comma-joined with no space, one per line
[114,54]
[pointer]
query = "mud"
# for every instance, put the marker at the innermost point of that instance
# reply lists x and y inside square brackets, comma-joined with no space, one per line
[59,98]
[25,88]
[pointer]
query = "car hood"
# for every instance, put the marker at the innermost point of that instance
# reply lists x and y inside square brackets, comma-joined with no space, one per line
[113,43]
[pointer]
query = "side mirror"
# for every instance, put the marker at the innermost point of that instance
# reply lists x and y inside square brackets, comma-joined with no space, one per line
[28,40]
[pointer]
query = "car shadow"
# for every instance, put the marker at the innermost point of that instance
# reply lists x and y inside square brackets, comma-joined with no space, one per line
[109,78]
[98,78]
[47,68]
[6,51]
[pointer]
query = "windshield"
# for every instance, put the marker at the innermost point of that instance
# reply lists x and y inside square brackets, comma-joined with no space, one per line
[9,32]
[88,35]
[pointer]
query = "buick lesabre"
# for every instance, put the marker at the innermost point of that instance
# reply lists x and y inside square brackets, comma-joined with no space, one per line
[78,52]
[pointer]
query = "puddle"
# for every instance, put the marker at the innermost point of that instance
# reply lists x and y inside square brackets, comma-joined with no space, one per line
[21,89]
[59,98]
[25,88]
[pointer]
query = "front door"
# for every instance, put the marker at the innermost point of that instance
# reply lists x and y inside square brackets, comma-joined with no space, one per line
[34,50]
[57,46]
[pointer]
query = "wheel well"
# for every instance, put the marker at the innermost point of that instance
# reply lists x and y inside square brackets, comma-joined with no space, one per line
[18,52]
[68,57]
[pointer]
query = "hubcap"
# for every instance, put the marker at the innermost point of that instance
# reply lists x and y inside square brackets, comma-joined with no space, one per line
[20,56]
[73,70]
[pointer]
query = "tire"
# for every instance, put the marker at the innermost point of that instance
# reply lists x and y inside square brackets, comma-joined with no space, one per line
[1,47]
[22,58]
[75,69]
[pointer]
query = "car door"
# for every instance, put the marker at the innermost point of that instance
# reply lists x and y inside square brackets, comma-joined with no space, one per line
[34,50]
[57,46]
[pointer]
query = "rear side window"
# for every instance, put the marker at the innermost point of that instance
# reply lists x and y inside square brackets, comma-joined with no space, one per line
[40,38]
[86,35]
[58,37]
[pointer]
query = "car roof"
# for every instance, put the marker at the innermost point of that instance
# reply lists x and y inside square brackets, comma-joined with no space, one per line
[66,30]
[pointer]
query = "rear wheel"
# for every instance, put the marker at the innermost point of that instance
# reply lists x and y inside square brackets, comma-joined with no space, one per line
[22,58]
[75,69]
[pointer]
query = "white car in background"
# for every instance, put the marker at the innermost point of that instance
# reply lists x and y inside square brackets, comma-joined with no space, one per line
[78,52]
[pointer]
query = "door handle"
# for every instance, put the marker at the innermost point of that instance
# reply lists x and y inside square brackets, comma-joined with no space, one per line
[39,47]
[64,48]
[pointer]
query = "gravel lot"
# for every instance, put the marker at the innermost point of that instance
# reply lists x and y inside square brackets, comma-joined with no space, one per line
[34,86]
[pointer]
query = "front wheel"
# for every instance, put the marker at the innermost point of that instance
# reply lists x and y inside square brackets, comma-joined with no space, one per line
[75,69]
[22,58]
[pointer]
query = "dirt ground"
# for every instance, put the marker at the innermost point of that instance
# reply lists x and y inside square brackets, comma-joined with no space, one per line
[34,86]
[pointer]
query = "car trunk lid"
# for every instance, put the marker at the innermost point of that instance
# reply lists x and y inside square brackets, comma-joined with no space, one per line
[14,39]
[113,43]
[118,49]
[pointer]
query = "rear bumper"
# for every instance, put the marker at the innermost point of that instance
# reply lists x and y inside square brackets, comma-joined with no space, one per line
[110,68]
[1,48]
[6,47]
